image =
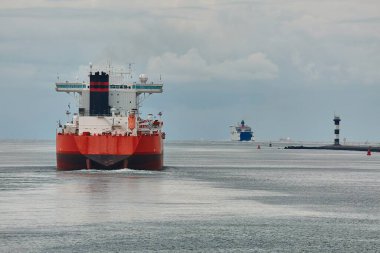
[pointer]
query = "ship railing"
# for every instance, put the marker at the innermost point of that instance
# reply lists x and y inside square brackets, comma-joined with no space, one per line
[70,86]
[98,115]
[139,132]
[147,133]
[148,87]
[149,129]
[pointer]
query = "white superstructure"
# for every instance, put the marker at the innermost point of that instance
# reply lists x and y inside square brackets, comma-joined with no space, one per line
[124,100]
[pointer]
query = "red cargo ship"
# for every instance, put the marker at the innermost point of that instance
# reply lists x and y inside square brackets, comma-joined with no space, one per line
[107,131]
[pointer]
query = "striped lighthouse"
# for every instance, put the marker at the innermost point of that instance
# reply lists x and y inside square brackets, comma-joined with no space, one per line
[336,131]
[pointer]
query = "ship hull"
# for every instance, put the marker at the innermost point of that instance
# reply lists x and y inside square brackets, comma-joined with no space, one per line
[242,136]
[245,136]
[76,152]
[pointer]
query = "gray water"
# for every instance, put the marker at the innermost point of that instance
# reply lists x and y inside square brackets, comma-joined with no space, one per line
[211,197]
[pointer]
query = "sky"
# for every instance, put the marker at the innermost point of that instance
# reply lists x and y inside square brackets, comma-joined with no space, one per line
[284,66]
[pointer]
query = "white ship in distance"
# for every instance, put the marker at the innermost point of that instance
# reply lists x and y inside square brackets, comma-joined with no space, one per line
[241,132]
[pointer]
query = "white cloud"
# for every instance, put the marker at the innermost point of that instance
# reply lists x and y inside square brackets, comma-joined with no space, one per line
[308,69]
[321,19]
[191,66]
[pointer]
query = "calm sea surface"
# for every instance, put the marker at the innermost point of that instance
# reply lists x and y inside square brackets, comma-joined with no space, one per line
[212,196]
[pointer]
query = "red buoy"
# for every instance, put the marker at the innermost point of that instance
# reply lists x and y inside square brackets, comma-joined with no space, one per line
[369,151]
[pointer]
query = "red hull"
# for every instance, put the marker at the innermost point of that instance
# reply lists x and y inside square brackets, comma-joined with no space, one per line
[75,152]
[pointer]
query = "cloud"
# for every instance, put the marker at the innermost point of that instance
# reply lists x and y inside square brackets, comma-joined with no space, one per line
[294,47]
[308,69]
[334,19]
[192,66]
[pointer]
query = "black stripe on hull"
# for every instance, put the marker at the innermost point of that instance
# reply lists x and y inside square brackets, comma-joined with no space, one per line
[109,162]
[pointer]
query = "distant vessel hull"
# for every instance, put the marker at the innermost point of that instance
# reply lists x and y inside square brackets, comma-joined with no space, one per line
[75,152]
[242,136]
[246,136]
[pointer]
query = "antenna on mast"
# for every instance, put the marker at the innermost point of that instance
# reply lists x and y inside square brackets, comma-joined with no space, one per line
[68,113]
[130,69]
[109,66]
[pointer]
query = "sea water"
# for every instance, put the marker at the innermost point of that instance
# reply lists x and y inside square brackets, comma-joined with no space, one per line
[211,197]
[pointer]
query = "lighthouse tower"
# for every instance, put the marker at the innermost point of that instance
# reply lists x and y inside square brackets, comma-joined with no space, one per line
[336,131]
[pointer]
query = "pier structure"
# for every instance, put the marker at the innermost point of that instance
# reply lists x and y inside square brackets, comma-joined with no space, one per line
[337,145]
